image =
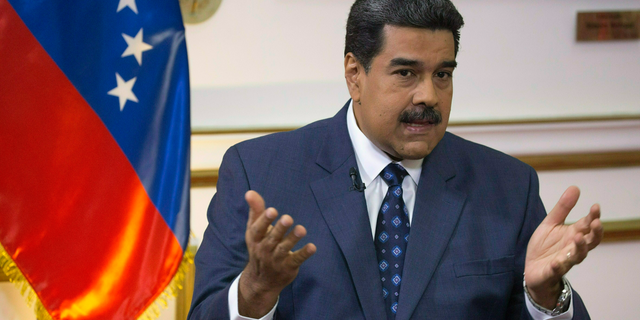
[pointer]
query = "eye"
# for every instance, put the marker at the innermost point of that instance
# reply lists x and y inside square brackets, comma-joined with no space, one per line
[443,75]
[405,73]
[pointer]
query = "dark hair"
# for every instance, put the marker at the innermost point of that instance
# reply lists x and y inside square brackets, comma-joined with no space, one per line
[368,17]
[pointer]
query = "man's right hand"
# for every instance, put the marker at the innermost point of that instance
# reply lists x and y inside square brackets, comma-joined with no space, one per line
[272,266]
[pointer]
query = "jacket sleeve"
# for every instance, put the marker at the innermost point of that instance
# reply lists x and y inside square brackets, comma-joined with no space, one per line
[223,252]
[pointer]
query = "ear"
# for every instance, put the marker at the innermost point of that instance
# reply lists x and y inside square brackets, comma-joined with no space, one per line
[353,73]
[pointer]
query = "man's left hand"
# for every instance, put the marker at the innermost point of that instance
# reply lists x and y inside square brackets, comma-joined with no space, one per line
[554,248]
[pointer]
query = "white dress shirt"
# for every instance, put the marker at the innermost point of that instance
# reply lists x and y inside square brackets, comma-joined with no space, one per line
[371,160]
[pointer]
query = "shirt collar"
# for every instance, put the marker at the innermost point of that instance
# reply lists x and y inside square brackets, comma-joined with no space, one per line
[371,160]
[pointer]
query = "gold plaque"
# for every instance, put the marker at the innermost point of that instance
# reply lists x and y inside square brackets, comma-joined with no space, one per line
[196,11]
[608,25]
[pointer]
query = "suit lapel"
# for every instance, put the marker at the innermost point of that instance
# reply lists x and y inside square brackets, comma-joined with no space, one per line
[436,214]
[345,213]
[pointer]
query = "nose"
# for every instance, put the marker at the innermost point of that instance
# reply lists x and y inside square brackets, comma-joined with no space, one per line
[426,93]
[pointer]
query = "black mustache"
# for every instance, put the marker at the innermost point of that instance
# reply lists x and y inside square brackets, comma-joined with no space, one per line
[425,113]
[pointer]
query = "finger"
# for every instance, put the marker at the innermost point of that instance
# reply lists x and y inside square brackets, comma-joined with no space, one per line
[594,212]
[594,238]
[301,255]
[572,254]
[275,235]
[284,247]
[583,225]
[261,227]
[561,210]
[256,206]
[581,250]
[561,263]
[585,222]
[591,226]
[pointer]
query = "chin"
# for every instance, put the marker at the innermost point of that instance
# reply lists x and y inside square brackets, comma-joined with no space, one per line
[416,156]
[415,153]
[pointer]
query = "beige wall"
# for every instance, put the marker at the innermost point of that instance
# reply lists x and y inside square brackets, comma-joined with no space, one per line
[12,304]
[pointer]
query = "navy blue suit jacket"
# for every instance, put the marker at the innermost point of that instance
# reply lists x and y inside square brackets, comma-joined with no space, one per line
[475,211]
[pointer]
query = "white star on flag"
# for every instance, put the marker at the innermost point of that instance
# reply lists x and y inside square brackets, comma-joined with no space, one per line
[128,3]
[123,90]
[135,46]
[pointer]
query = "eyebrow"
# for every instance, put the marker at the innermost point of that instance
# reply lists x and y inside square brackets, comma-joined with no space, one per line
[415,63]
[449,64]
[404,62]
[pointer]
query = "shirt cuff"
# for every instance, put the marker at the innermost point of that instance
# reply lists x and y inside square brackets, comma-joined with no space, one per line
[234,314]
[536,314]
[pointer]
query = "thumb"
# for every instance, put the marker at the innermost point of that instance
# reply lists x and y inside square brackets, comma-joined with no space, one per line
[256,205]
[561,210]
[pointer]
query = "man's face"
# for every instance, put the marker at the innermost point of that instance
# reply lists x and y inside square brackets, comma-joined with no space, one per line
[403,103]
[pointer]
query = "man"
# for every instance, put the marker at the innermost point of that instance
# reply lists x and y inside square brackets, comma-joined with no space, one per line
[403,221]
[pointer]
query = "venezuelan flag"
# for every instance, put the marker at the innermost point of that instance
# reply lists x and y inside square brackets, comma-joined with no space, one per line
[94,153]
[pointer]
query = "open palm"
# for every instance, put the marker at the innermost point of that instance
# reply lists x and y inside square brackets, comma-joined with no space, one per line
[554,248]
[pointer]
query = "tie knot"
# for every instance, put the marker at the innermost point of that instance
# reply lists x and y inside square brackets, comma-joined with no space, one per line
[393,174]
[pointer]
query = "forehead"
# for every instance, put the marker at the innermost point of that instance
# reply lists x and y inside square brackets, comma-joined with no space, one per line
[423,45]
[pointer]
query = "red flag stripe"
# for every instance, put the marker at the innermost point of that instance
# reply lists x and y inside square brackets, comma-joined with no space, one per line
[74,215]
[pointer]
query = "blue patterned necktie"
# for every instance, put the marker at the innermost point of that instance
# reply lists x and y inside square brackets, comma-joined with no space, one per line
[392,235]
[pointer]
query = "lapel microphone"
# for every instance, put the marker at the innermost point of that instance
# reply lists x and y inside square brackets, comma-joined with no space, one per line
[355,179]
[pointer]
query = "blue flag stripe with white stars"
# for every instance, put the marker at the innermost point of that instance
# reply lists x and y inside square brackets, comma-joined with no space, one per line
[128,59]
